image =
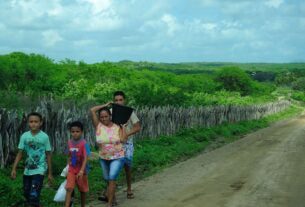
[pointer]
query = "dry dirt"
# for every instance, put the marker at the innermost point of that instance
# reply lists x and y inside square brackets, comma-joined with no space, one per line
[264,169]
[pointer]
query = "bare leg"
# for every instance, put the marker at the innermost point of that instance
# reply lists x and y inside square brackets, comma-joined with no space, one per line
[68,197]
[111,192]
[83,199]
[128,180]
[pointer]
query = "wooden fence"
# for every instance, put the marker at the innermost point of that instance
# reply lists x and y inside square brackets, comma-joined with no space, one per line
[155,122]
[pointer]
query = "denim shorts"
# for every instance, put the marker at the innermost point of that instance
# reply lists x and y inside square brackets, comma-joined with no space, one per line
[128,148]
[111,168]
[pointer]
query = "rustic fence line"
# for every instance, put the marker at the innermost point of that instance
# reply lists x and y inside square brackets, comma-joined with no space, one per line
[155,121]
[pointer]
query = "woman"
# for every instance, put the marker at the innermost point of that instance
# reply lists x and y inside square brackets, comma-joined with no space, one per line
[109,137]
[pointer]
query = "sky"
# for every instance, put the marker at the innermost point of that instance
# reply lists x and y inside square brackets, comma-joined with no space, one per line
[156,30]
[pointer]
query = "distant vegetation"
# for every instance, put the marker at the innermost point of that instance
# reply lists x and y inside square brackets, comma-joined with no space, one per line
[24,78]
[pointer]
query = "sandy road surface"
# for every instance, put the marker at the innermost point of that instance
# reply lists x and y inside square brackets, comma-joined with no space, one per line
[264,169]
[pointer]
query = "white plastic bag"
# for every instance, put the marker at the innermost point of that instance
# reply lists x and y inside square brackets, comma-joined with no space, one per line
[60,195]
[64,172]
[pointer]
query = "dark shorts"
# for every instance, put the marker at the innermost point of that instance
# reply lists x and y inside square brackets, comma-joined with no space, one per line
[32,185]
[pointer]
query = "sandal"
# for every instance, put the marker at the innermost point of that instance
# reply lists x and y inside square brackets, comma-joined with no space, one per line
[130,195]
[103,198]
[115,203]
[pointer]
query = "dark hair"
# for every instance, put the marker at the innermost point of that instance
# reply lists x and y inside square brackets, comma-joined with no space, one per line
[104,109]
[76,124]
[34,114]
[119,93]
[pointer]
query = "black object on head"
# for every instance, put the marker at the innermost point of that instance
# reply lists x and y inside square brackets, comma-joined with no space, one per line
[121,114]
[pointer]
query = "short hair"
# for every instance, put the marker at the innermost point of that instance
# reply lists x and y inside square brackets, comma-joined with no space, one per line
[76,124]
[104,109]
[119,93]
[34,114]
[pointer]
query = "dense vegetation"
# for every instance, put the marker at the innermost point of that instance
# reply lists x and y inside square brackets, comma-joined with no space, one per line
[26,77]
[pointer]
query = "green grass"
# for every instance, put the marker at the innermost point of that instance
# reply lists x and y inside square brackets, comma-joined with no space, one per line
[151,156]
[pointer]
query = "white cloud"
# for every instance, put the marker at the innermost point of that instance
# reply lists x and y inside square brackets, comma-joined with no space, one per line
[209,26]
[51,37]
[104,22]
[83,43]
[198,26]
[96,15]
[274,3]
[98,6]
[56,10]
[171,22]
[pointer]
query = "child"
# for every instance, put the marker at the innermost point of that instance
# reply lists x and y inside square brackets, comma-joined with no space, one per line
[37,146]
[78,151]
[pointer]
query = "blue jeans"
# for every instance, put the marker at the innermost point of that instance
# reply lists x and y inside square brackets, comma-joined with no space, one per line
[111,168]
[32,185]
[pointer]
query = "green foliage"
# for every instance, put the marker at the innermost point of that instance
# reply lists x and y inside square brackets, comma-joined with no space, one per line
[299,84]
[227,98]
[31,76]
[285,80]
[208,67]
[10,192]
[262,89]
[298,95]
[76,89]
[235,79]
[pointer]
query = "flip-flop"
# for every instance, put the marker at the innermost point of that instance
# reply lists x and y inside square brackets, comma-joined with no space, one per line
[130,195]
[103,198]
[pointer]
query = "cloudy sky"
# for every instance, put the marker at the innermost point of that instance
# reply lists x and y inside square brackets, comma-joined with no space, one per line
[155,30]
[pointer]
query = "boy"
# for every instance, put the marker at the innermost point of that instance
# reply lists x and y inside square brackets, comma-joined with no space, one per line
[37,146]
[133,126]
[78,151]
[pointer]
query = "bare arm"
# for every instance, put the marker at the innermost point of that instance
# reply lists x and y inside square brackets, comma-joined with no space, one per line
[94,117]
[49,161]
[17,160]
[123,134]
[135,129]
[82,169]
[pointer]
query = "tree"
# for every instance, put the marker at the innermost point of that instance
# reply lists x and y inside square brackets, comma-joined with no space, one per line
[234,79]
[299,84]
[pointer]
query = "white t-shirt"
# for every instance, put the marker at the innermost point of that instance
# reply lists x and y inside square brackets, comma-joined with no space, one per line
[132,120]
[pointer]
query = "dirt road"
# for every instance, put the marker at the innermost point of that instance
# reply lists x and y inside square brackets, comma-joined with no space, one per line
[264,169]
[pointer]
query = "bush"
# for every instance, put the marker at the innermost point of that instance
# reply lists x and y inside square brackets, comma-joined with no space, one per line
[298,95]
[235,79]
[299,84]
